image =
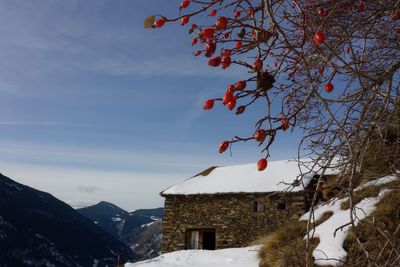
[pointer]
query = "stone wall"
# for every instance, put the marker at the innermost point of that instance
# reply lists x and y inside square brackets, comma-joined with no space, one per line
[231,215]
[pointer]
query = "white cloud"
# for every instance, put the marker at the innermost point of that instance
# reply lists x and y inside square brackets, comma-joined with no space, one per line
[43,123]
[173,65]
[80,203]
[128,190]
[87,188]
[105,158]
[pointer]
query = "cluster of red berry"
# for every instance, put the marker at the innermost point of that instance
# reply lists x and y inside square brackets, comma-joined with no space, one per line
[207,37]
[222,29]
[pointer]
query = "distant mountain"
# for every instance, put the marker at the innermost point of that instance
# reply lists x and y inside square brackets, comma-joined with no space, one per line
[36,229]
[103,209]
[158,212]
[105,215]
[141,230]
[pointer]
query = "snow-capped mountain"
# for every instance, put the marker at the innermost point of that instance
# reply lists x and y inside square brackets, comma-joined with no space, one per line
[141,230]
[37,229]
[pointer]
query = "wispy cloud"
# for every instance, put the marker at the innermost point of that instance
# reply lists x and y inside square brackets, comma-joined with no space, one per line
[44,123]
[65,36]
[6,87]
[139,160]
[173,65]
[80,203]
[129,190]
[87,188]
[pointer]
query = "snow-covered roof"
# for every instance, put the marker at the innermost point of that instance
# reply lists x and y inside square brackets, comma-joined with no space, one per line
[245,179]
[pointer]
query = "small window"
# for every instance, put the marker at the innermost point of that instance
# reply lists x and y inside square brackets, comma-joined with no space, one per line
[280,204]
[258,206]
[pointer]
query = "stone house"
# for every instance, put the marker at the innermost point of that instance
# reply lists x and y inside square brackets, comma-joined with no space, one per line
[224,207]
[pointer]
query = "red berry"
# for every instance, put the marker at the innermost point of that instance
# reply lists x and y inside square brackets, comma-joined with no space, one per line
[221,23]
[322,12]
[240,85]
[238,44]
[210,49]
[231,88]
[223,146]
[213,13]
[398,30]
[184,4]
[328,87]
[231,104]
[226,62]
[227,35]
[347,50]
[262,164]
[160,22]
[228,97]
[208,33]
[209,104]
[184,20]
[194,26]
[250,12]
[215,62]
[227,52]
[240,110]
[319,38]
[194,41]
[285,124]
[237,14]
[260,135]
[258,65]
[197,53]
[360,6]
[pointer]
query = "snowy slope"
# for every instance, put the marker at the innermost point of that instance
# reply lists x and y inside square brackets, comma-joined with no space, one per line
[245,178]
[330,249]
[232,257]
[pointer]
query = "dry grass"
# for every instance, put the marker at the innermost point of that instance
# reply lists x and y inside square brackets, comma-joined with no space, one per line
[286,246]
[379,234]
[324,217]
[371,191]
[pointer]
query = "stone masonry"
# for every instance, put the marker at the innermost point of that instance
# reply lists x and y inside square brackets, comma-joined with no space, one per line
[231,215]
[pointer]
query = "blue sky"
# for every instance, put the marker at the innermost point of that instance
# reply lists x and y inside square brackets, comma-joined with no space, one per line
[94,107]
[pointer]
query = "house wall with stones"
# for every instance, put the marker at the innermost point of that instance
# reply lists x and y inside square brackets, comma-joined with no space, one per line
[231,215]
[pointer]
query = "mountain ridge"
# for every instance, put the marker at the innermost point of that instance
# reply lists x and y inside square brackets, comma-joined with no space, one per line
[141,229]
[38,229]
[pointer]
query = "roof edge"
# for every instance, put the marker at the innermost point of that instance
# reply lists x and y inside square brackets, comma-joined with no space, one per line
[234,193]
[202,173]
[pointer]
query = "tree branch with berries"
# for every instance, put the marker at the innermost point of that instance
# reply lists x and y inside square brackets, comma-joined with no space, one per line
[327,68]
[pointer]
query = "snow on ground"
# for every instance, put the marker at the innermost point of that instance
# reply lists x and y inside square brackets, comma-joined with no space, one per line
[377,182]
[116,219]
[231,257]
[330,248]
[246,178]
[147,224]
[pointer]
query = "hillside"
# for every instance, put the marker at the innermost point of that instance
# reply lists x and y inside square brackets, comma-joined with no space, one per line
[141,229]
[332,237]
[106,215]
[37,229]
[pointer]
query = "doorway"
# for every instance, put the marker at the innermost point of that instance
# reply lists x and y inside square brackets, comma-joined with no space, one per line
[209,240]
[200,239]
